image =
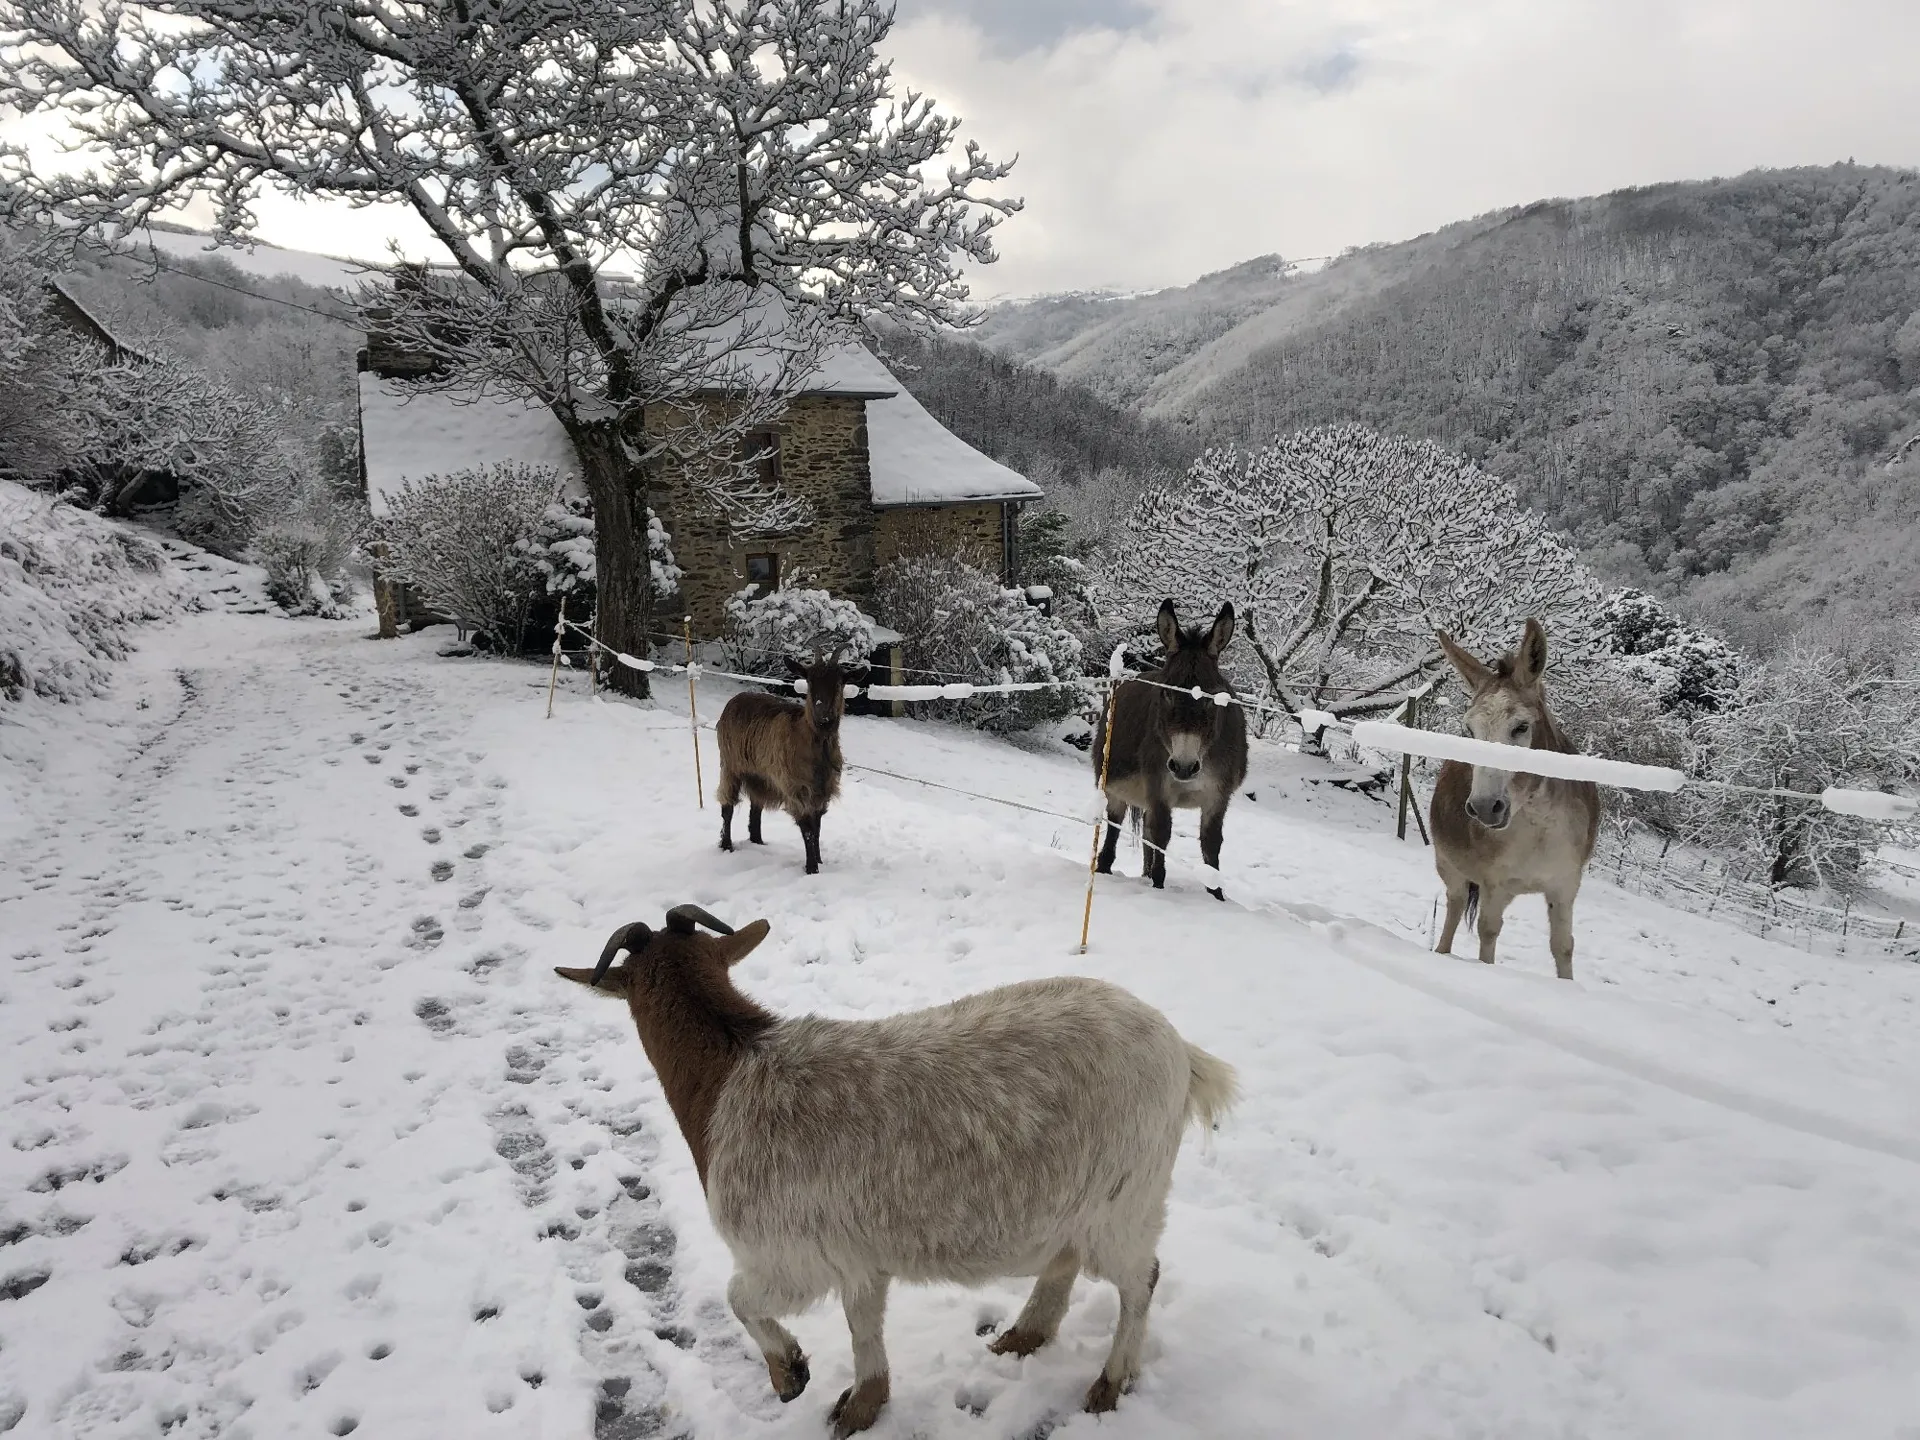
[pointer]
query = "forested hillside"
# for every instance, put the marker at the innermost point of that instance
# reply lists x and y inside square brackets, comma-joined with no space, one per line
[1711,385]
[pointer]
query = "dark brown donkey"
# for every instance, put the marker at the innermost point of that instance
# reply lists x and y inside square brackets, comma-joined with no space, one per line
[1171,751]
[1498,834]
[784,753]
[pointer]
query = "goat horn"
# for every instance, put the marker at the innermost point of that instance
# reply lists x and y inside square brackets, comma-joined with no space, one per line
[682,918]
[631,938]
[838,651]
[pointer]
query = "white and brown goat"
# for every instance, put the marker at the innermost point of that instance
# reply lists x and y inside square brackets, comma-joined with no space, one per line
[785,754]
[1029,1130]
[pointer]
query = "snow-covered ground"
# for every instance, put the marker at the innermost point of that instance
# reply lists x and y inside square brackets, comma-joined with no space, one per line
[302,1136]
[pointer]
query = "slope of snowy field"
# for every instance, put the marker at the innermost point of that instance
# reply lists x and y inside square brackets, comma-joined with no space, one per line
[302,1137]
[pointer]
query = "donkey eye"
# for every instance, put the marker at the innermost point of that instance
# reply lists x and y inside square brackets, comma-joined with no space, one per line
[1520,729]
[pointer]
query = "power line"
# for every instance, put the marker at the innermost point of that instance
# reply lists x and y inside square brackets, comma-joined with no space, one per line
[160,264]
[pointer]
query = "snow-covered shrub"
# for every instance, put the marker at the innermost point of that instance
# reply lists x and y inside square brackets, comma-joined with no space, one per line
[1608,708]
[795,621]
[71,586]
[1690,671]
[459,542]
[1800,721]
[959,623]
[561,548]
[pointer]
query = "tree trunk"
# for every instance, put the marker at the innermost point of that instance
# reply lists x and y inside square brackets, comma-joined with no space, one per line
[625,575]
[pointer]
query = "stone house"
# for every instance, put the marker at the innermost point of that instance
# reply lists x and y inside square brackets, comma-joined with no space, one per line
[882,476]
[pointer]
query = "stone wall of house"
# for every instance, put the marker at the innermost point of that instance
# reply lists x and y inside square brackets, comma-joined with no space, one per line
[971,532]
[823,457]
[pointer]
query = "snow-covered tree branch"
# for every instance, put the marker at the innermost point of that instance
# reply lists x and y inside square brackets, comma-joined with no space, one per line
[1343,551]
[635,201]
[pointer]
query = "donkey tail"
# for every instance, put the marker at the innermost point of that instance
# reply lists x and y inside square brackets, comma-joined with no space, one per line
[1473,901]
[1212,1087]
[1133,821]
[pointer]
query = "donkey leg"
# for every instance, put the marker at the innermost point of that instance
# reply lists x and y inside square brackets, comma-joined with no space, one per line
[753,823]
[1213,824]
[729,796]
[1493,913]
[1046,1307]
[1560,932]
[1159,834]
[1123,1361]
[1115,814]
[754,1304]
[859,1405]
[1456,907]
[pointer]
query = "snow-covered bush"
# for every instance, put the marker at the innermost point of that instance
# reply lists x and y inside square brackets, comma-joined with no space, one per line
[1690,671]
[1608,708]
[795,621]
[561,548]
[1800,721]
[71,586]
[305,557]
[460,542]
[1343,551]
[959,623]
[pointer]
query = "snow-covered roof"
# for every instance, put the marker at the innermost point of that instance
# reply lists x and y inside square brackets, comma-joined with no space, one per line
[82,316]
[914,459]
[918,461]
[407,437]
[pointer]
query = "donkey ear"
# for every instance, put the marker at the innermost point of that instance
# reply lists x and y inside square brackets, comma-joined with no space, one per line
[1167,626]
[734,948]
[613,983]
[1530,660]
[1471,670]
[1221,635]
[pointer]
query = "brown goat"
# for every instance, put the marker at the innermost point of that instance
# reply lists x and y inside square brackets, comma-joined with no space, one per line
[785,754]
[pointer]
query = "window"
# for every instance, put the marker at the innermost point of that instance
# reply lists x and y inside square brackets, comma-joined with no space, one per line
[761,449]
[763,573]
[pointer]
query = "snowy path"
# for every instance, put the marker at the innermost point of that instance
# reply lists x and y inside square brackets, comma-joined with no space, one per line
[303,1138]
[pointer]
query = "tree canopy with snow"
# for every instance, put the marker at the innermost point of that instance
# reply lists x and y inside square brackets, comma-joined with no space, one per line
[1343,551]
[635,200]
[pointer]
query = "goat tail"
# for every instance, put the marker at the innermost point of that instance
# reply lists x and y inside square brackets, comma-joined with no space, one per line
[1473,901]
[1212,1087]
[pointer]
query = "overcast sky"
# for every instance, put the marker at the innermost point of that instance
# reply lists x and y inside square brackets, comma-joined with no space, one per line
[1161,139]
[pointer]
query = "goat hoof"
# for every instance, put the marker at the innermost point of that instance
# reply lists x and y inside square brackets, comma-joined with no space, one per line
[797,1377]
[858,1407]
[1016,1342]
[1103,1396]
[727,845]
[1216,892]
[1105,867]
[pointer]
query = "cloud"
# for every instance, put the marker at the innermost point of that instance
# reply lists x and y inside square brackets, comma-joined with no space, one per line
[1154,152]
[1015,26]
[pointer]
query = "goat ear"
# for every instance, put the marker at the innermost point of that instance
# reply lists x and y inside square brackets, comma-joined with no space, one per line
[1530,660]
[795,668]
[734,948]
[1167,626]
[1471,670]
[613,983]
[1221,635]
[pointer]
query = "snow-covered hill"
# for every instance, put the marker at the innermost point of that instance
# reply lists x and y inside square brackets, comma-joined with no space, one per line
[305,1138]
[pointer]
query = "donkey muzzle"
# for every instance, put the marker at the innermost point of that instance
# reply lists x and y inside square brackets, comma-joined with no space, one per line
[1183,769]
[1493,813]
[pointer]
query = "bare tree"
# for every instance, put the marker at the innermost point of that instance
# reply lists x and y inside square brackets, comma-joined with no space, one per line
[1343,551]
[638,200]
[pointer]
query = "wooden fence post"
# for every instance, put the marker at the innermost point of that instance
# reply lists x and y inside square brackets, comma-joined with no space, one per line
[1100,820]
[693,714]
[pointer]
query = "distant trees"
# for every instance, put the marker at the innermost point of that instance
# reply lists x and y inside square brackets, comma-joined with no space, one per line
[1343,550]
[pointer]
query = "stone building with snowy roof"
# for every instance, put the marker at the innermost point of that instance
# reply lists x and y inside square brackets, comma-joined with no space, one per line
[882,476]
